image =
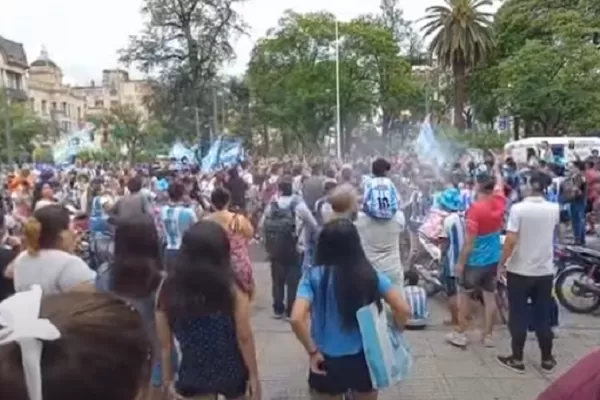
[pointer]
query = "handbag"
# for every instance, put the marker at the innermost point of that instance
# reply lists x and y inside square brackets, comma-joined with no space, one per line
[386,351]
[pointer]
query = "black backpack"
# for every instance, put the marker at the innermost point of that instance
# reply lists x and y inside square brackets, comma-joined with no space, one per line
[280,232]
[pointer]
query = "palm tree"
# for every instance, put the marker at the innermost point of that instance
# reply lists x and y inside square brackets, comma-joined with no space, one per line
[462,38]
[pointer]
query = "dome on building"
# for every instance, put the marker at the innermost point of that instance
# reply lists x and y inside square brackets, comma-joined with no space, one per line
[44,61]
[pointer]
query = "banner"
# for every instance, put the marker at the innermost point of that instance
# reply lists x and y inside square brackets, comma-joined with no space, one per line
[183,155]
[223,153]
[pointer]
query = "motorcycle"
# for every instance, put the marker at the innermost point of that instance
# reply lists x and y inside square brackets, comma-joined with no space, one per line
[578,278]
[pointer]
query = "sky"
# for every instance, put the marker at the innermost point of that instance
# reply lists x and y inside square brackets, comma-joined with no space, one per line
[83,37]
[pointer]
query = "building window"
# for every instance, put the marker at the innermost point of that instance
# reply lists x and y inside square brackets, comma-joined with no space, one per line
[114,103]
[53,106]
[64,126]
[64,108]
[44,107]
[99,103]
[78,112]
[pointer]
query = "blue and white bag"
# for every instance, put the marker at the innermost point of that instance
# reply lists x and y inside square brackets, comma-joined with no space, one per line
[386,351]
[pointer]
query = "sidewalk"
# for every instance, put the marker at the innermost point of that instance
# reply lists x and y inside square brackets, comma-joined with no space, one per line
[441,372]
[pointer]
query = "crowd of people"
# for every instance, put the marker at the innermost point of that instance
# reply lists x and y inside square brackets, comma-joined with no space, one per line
[163,305]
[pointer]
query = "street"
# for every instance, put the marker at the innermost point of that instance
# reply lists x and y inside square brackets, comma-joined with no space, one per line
[440,371]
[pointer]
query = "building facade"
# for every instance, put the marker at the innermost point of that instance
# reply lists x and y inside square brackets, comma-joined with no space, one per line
[52,100]
[116,89]
[13,70]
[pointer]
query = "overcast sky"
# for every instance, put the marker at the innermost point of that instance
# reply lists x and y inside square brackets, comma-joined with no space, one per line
[83,37]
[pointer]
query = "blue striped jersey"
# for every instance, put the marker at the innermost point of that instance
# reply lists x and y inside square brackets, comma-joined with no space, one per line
[380,198]
[467,197]
[176,219]
[454,230]
[416,297]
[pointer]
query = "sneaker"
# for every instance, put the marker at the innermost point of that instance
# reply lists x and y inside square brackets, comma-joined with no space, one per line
[511,363]
[549,365]
[278,315]
[457,339]
[488,341]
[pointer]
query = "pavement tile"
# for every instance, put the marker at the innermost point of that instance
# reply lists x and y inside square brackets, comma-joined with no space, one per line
[424,389]
[475,388]
[522,389]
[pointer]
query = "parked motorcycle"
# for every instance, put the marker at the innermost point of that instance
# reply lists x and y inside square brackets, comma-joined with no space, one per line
[578,279]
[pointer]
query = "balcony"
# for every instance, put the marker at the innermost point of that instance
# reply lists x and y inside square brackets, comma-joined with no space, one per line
[16,94]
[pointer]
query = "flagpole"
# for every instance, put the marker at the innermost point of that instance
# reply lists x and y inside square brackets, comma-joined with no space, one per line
[337,92]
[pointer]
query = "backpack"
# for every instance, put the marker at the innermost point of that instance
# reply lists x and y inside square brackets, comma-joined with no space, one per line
[570,188]
[280,232]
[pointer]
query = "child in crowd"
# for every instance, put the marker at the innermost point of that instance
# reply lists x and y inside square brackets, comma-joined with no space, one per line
[416,297]
[380,196]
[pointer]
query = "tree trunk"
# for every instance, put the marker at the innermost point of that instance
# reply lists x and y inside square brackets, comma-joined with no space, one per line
[265,139]
[516,126]
[460,94]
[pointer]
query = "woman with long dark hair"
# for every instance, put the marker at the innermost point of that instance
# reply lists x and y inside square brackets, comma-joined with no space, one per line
[201,306]
[134,274]
[329,295]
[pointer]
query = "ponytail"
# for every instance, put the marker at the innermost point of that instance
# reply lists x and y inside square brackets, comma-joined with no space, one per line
[33,230]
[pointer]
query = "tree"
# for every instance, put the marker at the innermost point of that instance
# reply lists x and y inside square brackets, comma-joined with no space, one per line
[291,77]
[129,129]
[24,127]
[547,64]
[184,43]
[462,39]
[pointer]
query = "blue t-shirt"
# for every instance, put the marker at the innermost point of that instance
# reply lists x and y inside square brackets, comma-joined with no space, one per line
[327,330]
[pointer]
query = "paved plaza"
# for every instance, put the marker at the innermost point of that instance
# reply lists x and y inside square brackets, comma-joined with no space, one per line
[440,372]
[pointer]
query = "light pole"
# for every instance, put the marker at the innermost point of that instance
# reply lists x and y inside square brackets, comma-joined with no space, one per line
[337,92]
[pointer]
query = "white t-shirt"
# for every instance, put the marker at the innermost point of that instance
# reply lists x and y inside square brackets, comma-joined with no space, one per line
[534,220]
[55,271]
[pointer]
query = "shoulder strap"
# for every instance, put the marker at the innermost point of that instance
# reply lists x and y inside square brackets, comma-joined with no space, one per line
[159,290]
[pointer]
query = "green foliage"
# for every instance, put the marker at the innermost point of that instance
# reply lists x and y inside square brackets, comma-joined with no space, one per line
[482,140]
[546,69]
[128,128]
[25,126]
[461,39]
[292,78]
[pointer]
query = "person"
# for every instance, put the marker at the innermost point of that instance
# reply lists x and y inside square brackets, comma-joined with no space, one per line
[9,247]
[136,202]
[237,188]
[573,190]
[380,196]
[48,260]
[134,274]
[416,297]
[286,220]
[452,242]
[176,219]
[77,346]
[324,316]
[314,186]
[528,258]
[43,195]
[323,210]
[380,239]
[240,231]
[205,311]
[478,260]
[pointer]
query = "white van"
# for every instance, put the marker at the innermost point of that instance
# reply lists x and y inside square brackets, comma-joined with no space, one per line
[569,148]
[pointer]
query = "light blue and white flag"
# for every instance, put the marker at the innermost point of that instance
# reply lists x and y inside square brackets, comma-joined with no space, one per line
[223,153]
[386,351]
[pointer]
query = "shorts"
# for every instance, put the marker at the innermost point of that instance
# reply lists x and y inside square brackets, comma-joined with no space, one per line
[483,278]
[344,373]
